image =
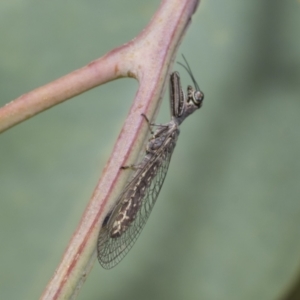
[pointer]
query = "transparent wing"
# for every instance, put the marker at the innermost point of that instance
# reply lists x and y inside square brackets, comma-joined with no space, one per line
[112,250]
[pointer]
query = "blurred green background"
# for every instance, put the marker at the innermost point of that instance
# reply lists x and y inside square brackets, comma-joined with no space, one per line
[227,222]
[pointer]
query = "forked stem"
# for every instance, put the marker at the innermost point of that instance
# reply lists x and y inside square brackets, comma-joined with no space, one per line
[147,61]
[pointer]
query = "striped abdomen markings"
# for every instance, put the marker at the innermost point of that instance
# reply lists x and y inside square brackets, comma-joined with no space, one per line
[133,200]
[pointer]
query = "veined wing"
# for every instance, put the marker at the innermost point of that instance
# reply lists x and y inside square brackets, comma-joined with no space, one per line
[146,185]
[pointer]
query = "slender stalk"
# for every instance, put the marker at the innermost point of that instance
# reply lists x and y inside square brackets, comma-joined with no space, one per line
[146,58]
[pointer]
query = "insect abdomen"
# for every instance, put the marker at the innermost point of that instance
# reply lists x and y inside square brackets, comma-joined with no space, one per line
[133,201]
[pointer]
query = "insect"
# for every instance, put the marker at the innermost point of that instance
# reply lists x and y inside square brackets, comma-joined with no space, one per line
[124,223]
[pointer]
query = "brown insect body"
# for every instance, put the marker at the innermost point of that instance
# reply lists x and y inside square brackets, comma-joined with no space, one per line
[162,140]
[122,226]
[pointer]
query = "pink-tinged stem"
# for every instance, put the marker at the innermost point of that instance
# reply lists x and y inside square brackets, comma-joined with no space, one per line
[147,58]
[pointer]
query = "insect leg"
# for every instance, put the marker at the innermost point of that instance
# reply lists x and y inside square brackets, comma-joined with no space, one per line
[132,167]
[149,123]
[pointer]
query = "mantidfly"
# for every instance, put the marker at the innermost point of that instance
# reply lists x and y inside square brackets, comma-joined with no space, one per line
[124,223]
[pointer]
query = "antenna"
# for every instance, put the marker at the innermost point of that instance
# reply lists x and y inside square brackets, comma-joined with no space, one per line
[188,69]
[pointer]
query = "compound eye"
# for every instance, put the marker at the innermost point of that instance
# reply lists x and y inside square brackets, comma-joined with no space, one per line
[198,97]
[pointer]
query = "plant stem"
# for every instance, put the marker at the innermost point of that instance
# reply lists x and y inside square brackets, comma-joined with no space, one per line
[147,58]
